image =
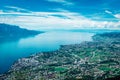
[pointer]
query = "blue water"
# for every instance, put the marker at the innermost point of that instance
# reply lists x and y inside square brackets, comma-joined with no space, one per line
[10,51]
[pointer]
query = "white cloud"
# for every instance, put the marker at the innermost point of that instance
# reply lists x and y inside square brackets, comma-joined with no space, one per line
[64,2]
[1,11]
[117,16]
[16,8]
[109,12]
[45,20]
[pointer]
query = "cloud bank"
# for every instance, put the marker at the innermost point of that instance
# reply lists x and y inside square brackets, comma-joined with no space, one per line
[62,19]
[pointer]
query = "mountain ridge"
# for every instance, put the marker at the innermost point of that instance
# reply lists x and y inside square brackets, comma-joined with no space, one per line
[13,31]
[9,33]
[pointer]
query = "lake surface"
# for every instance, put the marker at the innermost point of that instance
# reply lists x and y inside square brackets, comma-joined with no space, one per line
[10,51]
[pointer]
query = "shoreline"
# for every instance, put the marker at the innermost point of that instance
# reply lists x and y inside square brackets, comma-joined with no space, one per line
[93,59]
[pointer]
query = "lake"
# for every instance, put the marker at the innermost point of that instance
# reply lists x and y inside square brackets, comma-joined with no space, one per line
[10,51]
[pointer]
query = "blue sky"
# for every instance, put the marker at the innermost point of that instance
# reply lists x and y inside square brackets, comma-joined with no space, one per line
[61,14]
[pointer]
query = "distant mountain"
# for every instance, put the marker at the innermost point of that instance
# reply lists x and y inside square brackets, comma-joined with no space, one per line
[107,37]
[94,30]
[12,31]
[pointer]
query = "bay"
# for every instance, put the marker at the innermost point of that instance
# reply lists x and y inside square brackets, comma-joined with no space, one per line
[11,51]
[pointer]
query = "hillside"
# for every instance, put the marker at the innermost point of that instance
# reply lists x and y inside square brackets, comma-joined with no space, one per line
[96,60]
[11,31]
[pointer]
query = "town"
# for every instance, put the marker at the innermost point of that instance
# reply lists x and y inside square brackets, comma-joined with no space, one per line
[95,60]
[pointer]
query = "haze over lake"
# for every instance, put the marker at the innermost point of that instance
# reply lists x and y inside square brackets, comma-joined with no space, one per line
[49,41]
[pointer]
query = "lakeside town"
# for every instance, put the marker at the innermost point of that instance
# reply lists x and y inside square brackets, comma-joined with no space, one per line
[95,60]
